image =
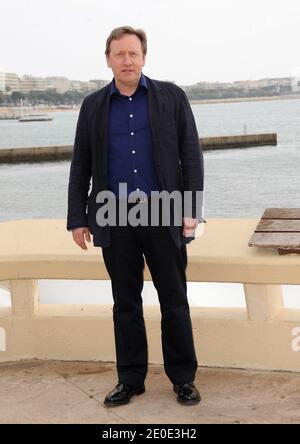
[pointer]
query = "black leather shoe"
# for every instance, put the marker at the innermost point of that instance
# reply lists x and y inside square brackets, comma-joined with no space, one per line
[187,393]
[122,393]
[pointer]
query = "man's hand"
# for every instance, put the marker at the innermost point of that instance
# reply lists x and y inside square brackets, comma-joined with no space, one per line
[189,226]
[80,235]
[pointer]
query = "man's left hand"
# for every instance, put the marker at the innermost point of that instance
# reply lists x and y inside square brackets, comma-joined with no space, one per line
[189,226]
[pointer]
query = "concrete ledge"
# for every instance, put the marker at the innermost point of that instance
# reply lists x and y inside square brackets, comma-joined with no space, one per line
[224,337]
[35,154]
[62,152]
[239,141]
[43,249]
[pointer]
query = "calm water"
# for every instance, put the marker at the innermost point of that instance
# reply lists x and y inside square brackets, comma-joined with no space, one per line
[238,182]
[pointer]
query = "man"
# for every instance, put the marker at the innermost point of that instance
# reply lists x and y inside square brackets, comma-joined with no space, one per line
[139,132]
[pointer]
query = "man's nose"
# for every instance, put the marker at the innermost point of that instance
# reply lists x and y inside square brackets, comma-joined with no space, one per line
[127,59]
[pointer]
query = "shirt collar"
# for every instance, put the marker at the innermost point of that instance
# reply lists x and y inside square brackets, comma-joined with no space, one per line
[142,83]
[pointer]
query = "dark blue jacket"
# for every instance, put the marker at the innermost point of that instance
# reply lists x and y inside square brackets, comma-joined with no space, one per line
[177,154]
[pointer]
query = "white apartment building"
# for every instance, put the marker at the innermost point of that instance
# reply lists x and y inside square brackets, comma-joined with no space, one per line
[61,84]
[13,82]
[2,80]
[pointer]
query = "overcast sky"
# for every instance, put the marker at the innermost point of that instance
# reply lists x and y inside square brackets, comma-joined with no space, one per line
[188,41]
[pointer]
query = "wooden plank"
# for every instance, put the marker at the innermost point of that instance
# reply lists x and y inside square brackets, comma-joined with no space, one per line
[288,251]
[281,213]
[281,225]
[278,228]
[275,240]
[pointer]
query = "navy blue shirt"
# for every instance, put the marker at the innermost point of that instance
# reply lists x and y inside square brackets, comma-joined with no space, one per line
[130,144]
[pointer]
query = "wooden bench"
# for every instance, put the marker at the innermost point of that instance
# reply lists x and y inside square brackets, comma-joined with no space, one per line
[278,228]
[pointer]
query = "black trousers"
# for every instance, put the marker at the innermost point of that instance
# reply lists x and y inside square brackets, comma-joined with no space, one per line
[124,261]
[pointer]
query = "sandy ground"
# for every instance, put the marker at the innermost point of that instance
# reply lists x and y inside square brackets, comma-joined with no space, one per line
[73,392]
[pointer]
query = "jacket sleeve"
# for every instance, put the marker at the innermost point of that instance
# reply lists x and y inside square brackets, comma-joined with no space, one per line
[80,174]
[191,158]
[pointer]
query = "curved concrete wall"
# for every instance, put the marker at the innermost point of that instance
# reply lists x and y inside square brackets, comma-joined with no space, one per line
[262,336]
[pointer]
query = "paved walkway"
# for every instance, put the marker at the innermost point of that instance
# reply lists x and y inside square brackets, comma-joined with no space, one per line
[73,392]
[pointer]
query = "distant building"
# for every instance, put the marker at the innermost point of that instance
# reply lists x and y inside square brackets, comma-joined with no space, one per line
[296,84]
[95,84]
[60,84]
[75,85]
[30,83]
[2,80]
[12,81]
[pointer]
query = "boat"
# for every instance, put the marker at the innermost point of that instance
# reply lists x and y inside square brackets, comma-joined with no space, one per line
[33,117]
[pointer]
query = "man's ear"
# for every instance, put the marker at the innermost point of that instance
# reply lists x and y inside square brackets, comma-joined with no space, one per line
[107,61]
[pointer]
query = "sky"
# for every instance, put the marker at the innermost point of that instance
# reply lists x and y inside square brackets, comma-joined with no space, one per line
[188,41]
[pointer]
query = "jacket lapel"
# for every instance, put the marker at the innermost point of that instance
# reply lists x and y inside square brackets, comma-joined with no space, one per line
[155,111]
[100,129]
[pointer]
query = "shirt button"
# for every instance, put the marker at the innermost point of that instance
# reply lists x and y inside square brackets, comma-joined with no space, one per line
[130,98]
[137,189]
[135,171]
[132,134]
[133,151]
[131,115]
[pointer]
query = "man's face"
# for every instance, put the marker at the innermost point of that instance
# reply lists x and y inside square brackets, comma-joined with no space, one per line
[126,59]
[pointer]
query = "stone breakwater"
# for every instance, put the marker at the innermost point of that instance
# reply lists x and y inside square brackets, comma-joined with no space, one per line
[62,152]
